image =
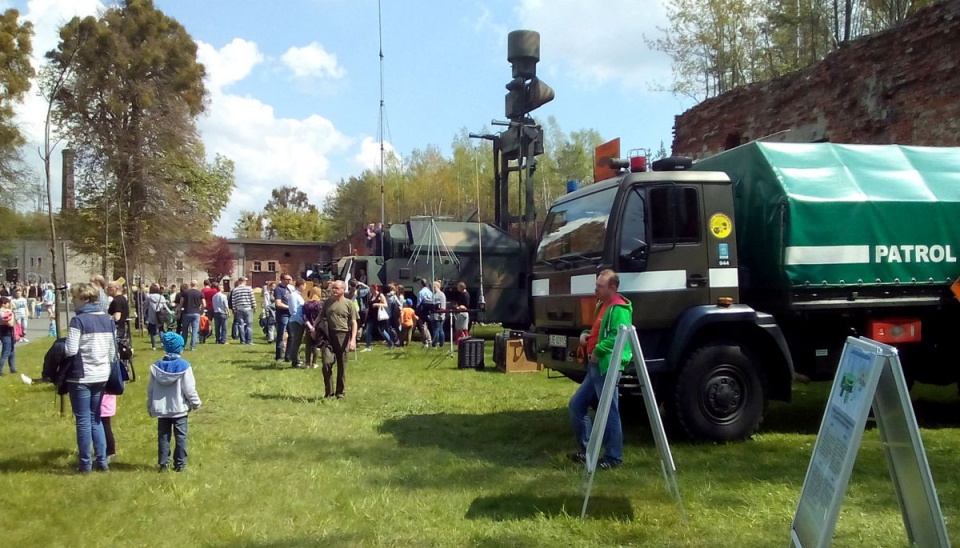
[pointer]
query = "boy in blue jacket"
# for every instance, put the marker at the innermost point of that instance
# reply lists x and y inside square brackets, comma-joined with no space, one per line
[171,394]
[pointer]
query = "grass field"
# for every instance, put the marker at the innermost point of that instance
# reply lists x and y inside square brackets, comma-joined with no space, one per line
[420,454]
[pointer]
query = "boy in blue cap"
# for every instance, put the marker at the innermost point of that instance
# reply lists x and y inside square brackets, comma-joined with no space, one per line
[171,394]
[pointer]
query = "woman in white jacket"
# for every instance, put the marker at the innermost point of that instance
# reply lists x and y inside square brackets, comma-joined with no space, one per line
[91,342]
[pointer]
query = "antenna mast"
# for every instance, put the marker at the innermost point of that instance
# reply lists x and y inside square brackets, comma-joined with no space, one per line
[380,127]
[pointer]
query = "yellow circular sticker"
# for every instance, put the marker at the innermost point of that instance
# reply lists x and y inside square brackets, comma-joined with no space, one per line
[720,225]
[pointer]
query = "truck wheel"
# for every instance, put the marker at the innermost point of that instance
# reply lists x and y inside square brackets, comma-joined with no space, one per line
[719,395]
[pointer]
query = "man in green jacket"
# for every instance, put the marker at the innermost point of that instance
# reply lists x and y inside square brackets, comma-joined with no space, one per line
[613,310]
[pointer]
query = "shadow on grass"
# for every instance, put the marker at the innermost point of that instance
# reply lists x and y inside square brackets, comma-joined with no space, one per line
[286,397]
[46,460]
[130,467]
[260,366]
[526,506]
[508,437]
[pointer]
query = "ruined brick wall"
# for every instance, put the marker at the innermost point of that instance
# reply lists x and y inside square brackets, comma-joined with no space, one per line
[899,86]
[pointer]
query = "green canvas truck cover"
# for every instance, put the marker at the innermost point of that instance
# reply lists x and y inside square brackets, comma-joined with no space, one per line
[824,214]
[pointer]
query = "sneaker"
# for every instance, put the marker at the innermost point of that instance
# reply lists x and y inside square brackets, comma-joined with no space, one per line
[577,457]
[367,349]
[608,464]
[24,340]
[179,468]
[162,468]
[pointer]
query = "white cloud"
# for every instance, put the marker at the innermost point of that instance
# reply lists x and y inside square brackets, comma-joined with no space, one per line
[267,151]
[312,61]
[231,63]
[599,43]
[47,17]
[369,156]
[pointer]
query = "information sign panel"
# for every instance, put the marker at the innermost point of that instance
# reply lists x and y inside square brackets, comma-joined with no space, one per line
[627,335]
[869,375]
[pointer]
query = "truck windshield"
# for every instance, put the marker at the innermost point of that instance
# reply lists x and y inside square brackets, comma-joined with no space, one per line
[577,227]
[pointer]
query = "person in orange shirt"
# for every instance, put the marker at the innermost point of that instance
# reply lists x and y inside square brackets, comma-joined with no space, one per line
[408,319]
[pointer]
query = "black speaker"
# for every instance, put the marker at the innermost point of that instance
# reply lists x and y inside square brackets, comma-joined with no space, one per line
[470,354]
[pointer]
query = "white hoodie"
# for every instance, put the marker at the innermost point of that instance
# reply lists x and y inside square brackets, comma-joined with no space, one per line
[172,390]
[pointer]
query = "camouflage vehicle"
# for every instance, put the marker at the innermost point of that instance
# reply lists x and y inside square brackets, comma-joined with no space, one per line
[754,265]
[451,251]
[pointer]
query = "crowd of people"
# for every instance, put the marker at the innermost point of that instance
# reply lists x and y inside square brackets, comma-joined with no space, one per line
[325,322]
[308,327]
[18,305]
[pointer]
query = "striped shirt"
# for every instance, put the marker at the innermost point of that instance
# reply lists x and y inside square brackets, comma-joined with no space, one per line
[241,297]
[91,337]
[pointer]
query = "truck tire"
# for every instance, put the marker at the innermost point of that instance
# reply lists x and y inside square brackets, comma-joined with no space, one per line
[719,394]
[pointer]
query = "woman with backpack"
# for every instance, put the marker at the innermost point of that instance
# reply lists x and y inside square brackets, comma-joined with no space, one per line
[158,314]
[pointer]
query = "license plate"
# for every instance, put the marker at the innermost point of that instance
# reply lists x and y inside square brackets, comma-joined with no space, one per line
[558,340]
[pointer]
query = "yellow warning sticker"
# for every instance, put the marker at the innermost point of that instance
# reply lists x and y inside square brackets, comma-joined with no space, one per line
[720,225]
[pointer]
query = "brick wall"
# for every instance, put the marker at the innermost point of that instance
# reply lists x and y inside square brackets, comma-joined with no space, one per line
[899,86]
[287,257]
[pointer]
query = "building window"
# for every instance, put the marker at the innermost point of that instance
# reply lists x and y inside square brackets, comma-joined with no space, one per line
[257,267]
[39,262]
[179,281]
[32,261]
[271,266]
[179,266]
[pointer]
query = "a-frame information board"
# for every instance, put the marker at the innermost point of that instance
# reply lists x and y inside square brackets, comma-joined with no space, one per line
[869,375]
[627,335]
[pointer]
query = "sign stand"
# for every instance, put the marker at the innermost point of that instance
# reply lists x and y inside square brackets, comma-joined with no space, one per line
[628,335]
[869,376]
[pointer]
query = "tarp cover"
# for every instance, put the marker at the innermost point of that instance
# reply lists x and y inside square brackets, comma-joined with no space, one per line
[823,213]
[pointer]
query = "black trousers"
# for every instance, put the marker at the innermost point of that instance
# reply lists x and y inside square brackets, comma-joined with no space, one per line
[335,353]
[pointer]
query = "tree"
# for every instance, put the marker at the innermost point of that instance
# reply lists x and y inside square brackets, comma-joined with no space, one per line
[214,256]
[718,45]
[129,109]
[249,226]
[354,204]
[15,74]
[661,152]
[289,197]
[457,187]
[289,215]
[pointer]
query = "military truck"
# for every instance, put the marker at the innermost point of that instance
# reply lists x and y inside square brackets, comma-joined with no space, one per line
[753,266]
[451,251]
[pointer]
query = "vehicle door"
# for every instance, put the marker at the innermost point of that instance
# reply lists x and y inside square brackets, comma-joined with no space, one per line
[661,258]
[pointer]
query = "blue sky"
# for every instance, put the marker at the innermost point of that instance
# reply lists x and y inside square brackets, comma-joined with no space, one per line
[294,85]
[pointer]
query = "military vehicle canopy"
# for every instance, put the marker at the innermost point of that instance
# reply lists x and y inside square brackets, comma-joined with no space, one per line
[829,215]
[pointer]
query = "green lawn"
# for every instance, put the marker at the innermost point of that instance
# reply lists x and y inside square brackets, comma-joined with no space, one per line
[420,454]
